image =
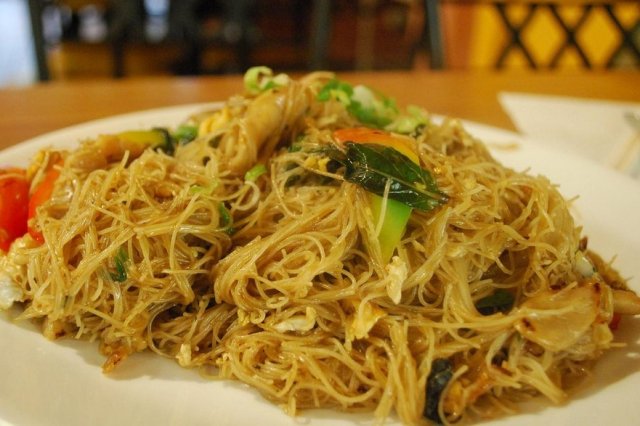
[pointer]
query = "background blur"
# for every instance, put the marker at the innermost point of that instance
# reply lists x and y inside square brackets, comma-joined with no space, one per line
[122,38]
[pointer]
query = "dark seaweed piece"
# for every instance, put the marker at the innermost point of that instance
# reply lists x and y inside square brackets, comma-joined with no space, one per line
[500,301]
[441,373]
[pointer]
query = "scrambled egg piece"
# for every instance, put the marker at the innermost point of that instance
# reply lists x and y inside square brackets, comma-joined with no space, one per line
[10,291]
[397,273]
[298,322]
[363,319]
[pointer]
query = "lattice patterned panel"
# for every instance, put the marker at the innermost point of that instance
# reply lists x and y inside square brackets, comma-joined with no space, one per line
[557,36]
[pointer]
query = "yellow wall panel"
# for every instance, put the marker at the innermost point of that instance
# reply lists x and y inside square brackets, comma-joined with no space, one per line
[486,35]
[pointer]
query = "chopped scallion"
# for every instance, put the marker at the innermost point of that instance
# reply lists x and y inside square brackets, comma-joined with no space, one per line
[226,220]
[120,261]
[255,172]
[260,79]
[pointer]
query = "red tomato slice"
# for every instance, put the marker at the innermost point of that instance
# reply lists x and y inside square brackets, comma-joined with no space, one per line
[14,206]
[615,322]
[41,194]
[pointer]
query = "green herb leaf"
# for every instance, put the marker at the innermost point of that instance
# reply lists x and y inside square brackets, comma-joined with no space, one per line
[120,261]
[371,166]
[441,373]
[255,172]
[226,220]
[500,301]
[294,147]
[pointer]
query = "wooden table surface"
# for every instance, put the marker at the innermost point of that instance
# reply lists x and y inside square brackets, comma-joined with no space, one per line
[31,111]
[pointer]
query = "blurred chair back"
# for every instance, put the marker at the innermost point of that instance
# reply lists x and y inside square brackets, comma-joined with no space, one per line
[365,31]
[127,22]
[35,14]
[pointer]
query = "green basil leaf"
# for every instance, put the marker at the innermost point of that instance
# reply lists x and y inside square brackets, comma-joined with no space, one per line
[371,166]
[500,301]
[120,262]
[226,220]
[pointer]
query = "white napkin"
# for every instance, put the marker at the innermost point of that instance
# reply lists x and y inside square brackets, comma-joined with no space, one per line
[596,129]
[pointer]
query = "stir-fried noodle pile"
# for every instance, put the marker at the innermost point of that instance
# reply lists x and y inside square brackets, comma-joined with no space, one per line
[257,250]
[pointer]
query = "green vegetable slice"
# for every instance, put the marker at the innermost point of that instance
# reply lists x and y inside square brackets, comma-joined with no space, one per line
[185,133]
[155,138]
[396,216]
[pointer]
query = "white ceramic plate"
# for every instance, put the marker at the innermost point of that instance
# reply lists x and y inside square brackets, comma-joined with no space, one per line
[61,383]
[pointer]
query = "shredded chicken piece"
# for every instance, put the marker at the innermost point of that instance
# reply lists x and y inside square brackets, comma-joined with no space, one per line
[267,120]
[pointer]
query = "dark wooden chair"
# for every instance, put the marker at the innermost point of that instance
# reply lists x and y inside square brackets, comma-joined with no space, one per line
[125,27]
